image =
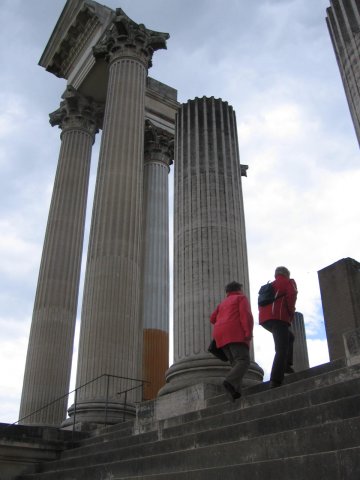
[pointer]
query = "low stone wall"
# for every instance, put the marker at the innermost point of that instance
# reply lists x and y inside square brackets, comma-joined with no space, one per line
[22,447]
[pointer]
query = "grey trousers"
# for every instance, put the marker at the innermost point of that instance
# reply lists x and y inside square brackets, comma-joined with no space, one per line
[239,358]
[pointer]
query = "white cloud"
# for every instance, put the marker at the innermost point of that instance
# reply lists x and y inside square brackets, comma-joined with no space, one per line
[318,352]
[13,346]
[19,257]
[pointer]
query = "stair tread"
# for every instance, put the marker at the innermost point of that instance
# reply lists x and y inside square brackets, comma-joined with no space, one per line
[266,427]
[237,416]
[295,464]
[222,455]
[273,444]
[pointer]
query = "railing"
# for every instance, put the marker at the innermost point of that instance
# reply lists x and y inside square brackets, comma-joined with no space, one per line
[106,406]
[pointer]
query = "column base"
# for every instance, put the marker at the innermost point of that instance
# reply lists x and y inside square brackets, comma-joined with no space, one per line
[89,415]
[204,369]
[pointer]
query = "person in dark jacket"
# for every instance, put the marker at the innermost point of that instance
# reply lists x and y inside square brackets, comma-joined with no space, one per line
[233,327]
[276,317]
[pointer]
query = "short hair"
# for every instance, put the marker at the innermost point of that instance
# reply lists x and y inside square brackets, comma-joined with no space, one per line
[233,287]
[282,271]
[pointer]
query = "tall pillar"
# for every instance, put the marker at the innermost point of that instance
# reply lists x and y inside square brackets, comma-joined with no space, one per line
[209,237]
[48,362]
[301,357]
[158,157]
[111,331]
[343,21]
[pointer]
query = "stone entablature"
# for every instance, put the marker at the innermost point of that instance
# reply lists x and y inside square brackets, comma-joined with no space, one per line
[81,24]
[69,55]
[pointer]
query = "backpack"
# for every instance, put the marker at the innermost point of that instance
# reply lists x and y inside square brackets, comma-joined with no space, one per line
[267,294]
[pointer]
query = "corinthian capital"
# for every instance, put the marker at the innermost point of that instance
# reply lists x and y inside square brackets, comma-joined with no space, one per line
[77,112]
[159,144]
[127,38]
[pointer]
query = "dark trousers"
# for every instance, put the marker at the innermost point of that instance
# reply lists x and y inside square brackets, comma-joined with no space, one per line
[239,358]
[284,343]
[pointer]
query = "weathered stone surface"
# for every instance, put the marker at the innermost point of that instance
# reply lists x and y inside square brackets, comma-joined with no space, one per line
[158,155]
[301,358]
[110,336]
[209,236]
[310,425]
[48,363]
[352,346]
[340,295]
[343,21]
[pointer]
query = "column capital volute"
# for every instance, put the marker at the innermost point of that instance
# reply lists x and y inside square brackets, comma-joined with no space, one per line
[77,112]
[125,38]
[158,145]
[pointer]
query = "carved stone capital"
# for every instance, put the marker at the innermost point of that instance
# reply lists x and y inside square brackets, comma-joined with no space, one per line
[158,145]
[125,38]
[78,112]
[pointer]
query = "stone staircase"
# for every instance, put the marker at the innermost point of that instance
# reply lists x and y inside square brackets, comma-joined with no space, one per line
[308,429]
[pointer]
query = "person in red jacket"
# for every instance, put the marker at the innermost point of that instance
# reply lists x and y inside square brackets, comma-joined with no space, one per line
[276,317]
[233,327]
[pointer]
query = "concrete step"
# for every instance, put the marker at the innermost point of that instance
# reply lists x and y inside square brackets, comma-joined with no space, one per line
[337,410]
[315,415]
[261,397]
[325,368]
[304,380]
[300,442]
[318,398]
[97,436]
[334,465]
[249,408]
[110,443]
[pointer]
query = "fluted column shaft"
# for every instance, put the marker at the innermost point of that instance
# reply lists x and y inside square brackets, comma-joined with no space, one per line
[210,244]
[110,336]
[158,153]
[209,233]
[301,357]
[343,21]
[48,363]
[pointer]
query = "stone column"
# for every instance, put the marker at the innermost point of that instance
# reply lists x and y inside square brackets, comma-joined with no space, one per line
[111,331]
[158,157]
[48,363]
[301,357]
[209,237]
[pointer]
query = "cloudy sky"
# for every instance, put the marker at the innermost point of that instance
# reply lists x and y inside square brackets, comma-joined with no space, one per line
[272,60]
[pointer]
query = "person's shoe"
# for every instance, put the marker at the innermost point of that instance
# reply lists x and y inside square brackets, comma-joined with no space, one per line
[231,392]
[274,384]
[289,369]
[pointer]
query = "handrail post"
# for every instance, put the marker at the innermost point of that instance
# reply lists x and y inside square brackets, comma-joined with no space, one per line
[107,397]
[75,400]
[125,403]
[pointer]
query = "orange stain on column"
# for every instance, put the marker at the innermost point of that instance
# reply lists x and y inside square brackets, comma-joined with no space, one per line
[155,360]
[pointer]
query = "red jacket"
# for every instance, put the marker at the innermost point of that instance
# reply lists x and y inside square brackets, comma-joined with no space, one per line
[233,321]
[283,308]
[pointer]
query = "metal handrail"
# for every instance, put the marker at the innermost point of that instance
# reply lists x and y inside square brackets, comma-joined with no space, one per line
[126,392]
[75,397]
